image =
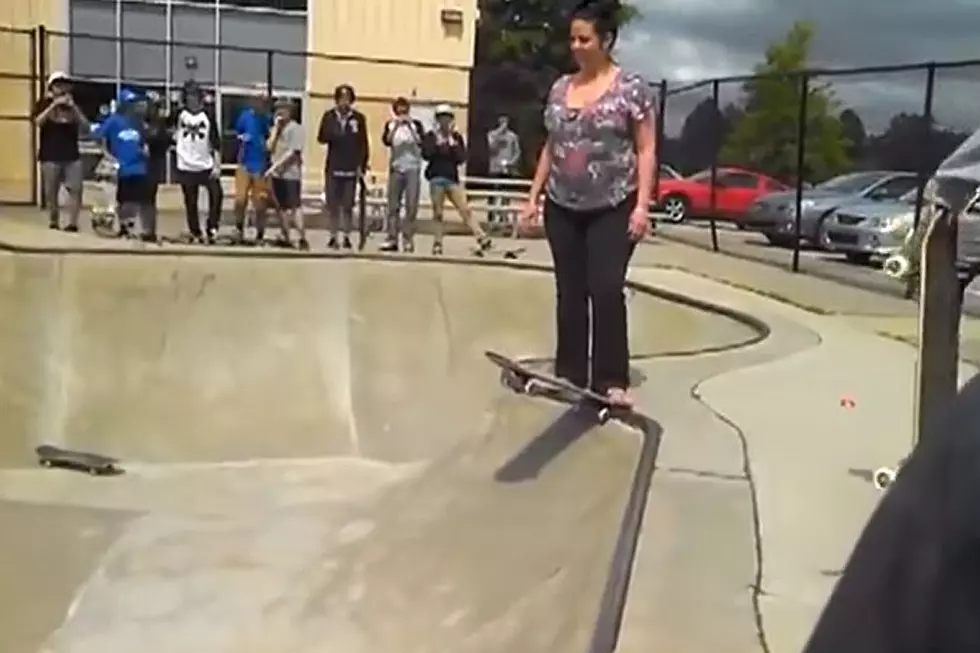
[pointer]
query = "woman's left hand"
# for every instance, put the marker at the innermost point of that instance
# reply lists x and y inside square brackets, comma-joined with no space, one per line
[639,225]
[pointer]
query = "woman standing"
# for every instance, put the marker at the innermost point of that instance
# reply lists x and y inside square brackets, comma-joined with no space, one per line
[597,170]
[445,151]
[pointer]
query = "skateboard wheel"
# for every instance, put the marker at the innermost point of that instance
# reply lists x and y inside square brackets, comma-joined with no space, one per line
[530,386]
[603,414]
[45,463]
[883,477]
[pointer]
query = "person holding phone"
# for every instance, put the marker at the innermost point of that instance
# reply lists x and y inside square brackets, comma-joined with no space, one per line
[403,135]
[60,124]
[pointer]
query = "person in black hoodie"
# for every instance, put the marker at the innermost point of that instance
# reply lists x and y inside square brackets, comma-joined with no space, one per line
[159,138]
[343,129]
[445,151]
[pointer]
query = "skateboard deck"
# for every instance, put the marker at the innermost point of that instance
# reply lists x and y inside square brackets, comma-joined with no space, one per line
[511,253]
[51,456]
[523,379]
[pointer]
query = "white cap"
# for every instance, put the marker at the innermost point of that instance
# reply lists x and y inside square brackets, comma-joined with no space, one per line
[57,76]
[444,110]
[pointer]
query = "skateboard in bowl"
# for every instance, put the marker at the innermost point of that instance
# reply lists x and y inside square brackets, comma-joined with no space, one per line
[524,380]
[95,464]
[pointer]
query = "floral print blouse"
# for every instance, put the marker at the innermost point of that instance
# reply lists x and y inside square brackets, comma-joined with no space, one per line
[593,153]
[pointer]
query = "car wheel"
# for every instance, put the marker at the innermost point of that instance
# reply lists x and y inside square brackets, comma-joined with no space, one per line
[676,208]
[858,258]
[817,239]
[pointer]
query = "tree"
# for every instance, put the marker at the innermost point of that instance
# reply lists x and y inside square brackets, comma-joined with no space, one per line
[766,134]
[855,132]
[911,141]
[521,48]
[701,137]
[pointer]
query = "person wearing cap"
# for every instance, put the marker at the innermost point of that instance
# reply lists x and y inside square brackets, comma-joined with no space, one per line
[124,136]
[403,135]
[252,128]
[445,150]
[286,172]
[343,129]
[198,148]
[60,124]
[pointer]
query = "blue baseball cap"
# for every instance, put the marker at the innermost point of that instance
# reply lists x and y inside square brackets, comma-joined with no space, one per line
[128,96]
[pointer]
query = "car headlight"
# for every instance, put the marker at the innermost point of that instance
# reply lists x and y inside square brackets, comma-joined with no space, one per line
[806,205]
[892,222]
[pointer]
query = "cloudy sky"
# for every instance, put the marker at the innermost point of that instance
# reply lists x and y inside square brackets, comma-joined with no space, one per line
[687,40]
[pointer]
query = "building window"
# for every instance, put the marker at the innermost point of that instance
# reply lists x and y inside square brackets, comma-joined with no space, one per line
[280,5]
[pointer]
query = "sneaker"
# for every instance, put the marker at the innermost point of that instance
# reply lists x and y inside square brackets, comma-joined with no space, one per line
[332,243]
[239,237]
[484,244]
[284,242]
[390,245]
[304,245]
[408,247]
[54,226]
[347,243]
[71,229]
[210,237]
[437,249]
[148,238]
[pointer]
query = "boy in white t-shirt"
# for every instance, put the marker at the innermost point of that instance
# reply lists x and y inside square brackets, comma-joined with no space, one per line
[198,148]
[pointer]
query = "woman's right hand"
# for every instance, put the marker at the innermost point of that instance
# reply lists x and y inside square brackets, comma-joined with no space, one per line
[528,215]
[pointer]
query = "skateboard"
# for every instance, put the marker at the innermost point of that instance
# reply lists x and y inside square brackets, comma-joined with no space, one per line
[96,465]
[362,225]
[524,380]
[510,254]
[942,284]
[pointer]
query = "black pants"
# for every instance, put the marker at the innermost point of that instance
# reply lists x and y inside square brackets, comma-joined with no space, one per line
[190,186]
[341,192]
[591,251]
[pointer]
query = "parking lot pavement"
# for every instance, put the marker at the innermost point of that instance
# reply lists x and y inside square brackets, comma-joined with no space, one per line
[753,246]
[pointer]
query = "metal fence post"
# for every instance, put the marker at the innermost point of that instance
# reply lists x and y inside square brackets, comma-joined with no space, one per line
[32,102]
[659,146]
[801,129]
[926,138]
[269,79]
[41,68]
[713,201]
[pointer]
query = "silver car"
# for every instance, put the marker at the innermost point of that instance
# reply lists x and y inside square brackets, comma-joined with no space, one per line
[774,214]
[869,229]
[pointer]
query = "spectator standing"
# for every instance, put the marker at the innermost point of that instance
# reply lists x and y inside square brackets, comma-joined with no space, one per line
[445,150]
[198,147]
[504,150]
[60,123]
[252,128]
[286,171]
[403,135]
[343,129]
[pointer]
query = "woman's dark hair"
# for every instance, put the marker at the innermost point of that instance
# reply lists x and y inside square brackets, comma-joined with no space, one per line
[604,16]
[400,102]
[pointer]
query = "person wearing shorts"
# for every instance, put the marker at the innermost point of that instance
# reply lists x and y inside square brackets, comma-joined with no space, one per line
[445,150]
[124,136]
[286,172]
[251,183]
[60,122]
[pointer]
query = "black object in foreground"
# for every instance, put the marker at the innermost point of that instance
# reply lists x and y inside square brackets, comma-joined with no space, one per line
[51,456]
[524,380]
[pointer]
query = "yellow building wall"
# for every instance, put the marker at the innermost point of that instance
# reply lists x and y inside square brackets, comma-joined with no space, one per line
[15,88]
[413,55]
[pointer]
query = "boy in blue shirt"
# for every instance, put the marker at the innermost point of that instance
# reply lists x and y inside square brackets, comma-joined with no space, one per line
[253,129]
[124,136]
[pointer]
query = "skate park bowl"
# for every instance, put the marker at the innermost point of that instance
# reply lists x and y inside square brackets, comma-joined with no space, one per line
[316,452]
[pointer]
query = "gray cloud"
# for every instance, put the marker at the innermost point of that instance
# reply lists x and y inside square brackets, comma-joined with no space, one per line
[687,40]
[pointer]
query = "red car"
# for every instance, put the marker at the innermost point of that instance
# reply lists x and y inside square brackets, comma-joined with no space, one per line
[735,191]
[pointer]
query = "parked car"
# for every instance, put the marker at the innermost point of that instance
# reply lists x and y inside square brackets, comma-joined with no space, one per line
[735,190]
[869,229]
[775,215]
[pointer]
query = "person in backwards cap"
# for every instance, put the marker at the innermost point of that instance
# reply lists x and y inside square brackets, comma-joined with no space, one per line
[252,128]
[124,136]
[198,147]
[60,124]
[343,129]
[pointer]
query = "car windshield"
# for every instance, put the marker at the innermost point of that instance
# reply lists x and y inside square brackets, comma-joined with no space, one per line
[852,183]
[666,172]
